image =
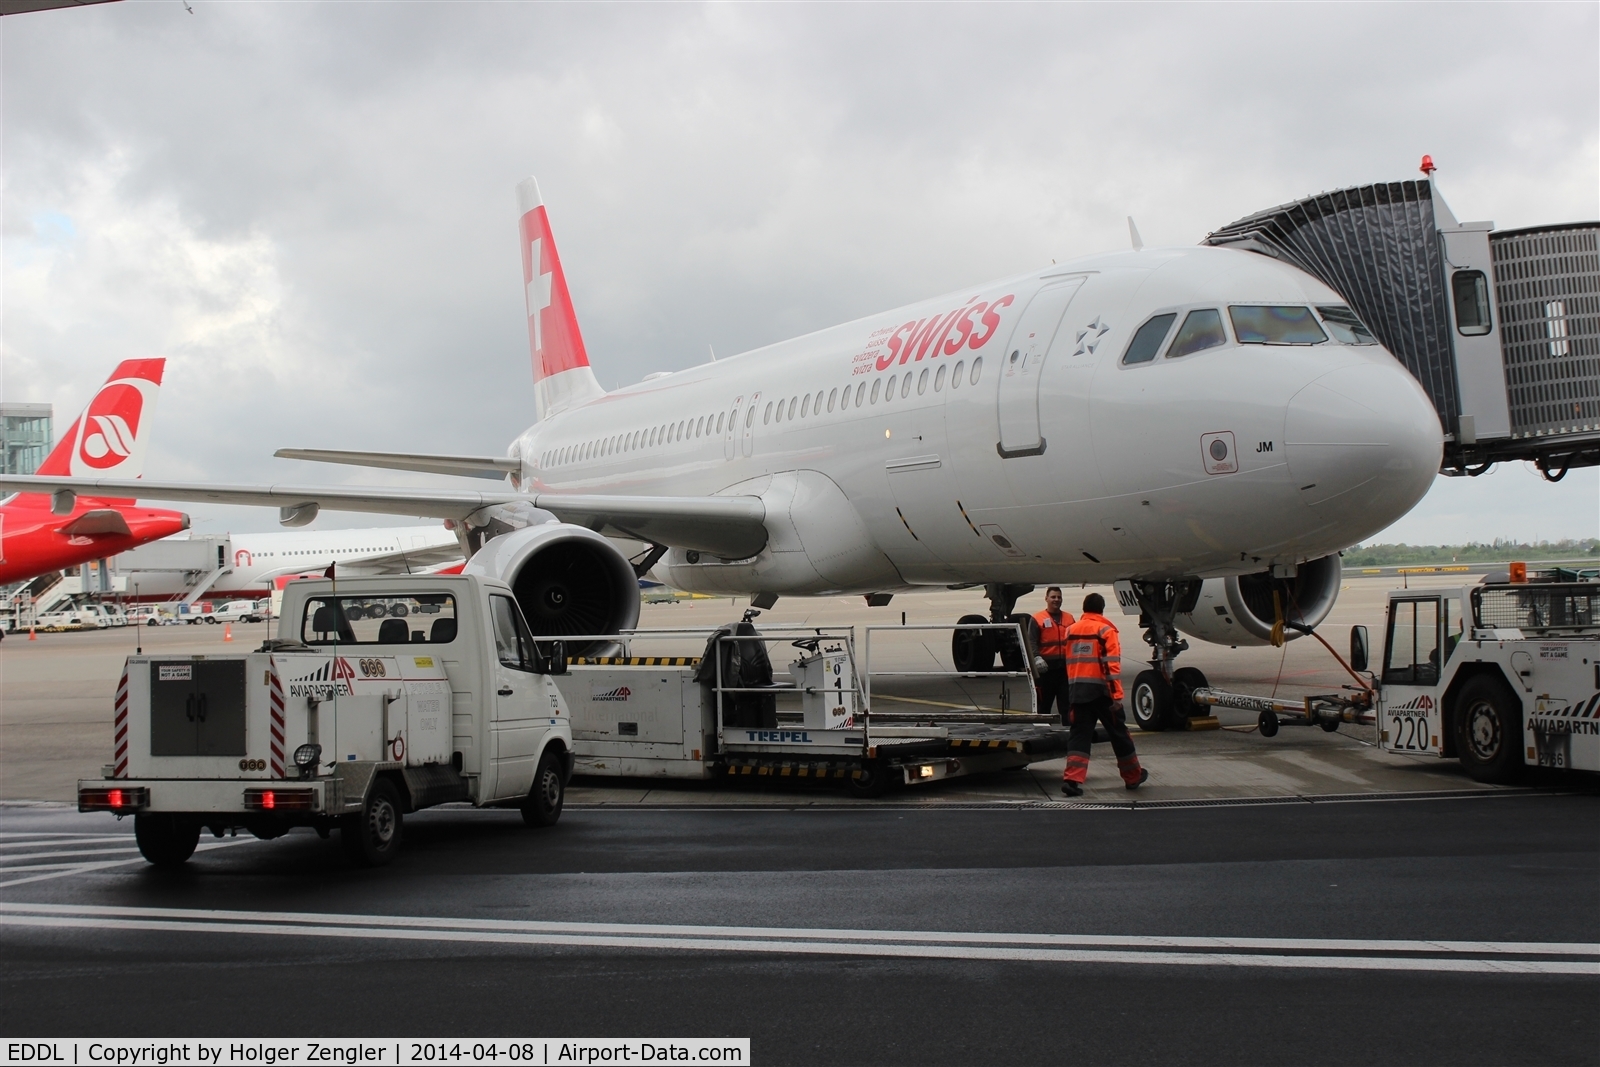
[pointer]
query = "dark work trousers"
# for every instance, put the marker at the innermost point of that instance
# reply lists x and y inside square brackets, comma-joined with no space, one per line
[1084,717]
[1052,689]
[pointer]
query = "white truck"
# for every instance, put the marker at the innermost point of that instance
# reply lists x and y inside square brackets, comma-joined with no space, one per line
[343,723]
[1501,676]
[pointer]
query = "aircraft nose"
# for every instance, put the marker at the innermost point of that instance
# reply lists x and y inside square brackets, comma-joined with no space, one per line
[1364,438]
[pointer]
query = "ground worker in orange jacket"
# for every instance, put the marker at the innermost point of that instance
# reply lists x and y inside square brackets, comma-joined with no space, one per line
[1052,675]
[1094,689]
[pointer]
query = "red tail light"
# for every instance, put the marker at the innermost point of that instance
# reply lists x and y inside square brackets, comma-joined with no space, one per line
[113,798]
[280,799]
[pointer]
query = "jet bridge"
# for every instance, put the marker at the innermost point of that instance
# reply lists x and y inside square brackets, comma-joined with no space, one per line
[1501,327]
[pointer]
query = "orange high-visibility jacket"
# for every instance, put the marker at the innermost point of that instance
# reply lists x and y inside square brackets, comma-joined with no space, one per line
[1094,660]
[1052,634]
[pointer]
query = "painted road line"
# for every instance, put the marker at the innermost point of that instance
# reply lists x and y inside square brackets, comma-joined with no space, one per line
[59,855]
[62,870]
[1448,956]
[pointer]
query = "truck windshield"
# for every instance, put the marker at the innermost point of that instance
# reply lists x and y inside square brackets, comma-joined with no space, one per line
[1256,325]
[418,619]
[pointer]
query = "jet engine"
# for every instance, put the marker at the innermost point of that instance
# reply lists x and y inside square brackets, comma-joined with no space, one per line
[1239,610]
[568,580]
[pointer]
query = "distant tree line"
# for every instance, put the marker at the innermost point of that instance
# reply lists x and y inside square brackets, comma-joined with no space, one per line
[1499,551]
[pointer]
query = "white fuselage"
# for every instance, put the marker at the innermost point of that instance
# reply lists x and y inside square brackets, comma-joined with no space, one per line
[1051,460]
[258,558]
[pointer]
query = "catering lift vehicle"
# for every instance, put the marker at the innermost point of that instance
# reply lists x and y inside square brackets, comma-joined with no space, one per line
[1502,676]
[341,723]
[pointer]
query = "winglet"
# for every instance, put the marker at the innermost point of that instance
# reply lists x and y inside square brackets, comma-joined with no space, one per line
[1133,232]
[561,373]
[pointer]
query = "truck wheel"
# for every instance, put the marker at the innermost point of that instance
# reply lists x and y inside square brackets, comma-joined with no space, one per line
[1152,701]
[870,780]
[543,804]
[165,840]
[1488,725]
[972,650]
[373,837]
[1185,680]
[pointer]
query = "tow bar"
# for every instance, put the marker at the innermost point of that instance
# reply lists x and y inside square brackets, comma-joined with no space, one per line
[1326,710]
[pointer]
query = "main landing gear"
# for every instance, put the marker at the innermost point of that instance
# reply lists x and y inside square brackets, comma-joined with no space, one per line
[1160,697]
[975,650]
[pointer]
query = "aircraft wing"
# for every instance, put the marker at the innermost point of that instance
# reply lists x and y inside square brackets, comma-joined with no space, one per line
[732,527]
[494,467]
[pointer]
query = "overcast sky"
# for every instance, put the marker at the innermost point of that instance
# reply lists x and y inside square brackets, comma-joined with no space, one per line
[309,208]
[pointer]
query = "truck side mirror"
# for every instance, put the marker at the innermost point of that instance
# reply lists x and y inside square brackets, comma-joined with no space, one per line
[556,662]
[1358,648]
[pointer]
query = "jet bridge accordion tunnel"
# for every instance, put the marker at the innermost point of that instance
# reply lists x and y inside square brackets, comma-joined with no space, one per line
[1501,327]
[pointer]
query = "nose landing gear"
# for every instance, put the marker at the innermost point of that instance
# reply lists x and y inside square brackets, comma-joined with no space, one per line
[1160,697]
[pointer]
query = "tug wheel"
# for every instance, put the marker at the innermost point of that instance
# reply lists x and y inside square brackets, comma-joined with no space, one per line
[1268,724]
[1488,728]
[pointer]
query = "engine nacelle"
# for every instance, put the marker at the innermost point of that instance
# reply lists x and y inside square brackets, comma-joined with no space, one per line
[1238,611]
[568,580]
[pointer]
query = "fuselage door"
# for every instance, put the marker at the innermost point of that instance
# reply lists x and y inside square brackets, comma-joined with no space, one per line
[1021,366]
[730,440]
[750,414]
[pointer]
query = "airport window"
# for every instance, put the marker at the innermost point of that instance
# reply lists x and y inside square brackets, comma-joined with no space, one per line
[905,386]
[955,375]
[805,406]
[888,390]
[417,619]
[792,401]
[938,379]
[1345,327]
[1471,291]
[766,416]
[832,395]
[1200,330]
[1291,325]
[874,398]
[1147,340]
[977,369]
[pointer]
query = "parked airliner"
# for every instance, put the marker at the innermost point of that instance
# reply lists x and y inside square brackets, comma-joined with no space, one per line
[1159,417]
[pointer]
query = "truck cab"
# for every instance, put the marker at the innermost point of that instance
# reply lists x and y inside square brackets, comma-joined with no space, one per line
[349,719]
[1500,675]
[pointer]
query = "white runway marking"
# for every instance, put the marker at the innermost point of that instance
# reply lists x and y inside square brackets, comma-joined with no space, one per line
[1489,957]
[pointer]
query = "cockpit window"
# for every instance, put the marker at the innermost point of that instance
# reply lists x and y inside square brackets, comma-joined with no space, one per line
[1200,330]
[1345,327]
[1147,342]
[1256,325]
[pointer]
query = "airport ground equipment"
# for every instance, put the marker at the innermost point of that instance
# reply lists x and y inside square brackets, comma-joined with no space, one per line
[1501,676]
[1501,327]
[646,715]
[343,723]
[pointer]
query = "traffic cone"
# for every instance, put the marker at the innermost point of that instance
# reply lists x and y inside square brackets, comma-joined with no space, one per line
[31,635]
[227,632]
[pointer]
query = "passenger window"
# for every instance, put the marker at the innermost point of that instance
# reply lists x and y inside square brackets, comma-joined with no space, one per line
[750,416]
[766,416]
[1147,341]
[1255,325]
[805,408]
[832,394]
[876,383]
[938,379]
[844,398]
[1345,327]
[1411,654]
[888,391]
[816,407]
[955,375]
[792,401]
[905,385]
[512,642]
[977,369]
[1200,330]
[861,390]
[1471,291]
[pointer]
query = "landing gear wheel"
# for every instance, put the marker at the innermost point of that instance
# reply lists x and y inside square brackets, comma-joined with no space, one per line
[1152,701]
[1185,680]
[165,840]
[1268,724]
[972,650]
[372,838]
[543,804]
[870,780]
[1488,726]
[1013,658]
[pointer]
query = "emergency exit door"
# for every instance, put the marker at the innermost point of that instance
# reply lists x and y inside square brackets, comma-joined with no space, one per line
[1021,366]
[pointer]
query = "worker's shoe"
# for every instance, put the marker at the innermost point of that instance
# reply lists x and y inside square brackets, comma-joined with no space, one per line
[1072,789]
[1144,776]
